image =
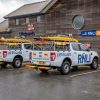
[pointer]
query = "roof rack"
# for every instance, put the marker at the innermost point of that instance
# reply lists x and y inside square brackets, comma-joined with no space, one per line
[57,38]
[15,40]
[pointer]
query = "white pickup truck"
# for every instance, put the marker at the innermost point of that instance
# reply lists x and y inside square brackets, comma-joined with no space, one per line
[15,55]
[63,58]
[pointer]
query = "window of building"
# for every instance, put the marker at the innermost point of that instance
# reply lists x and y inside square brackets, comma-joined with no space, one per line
[27,20]
[22,21]
[38,19]
[12,22]
[78,22]
[17,21]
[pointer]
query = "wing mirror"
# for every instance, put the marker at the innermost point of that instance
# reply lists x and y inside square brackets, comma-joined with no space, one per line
[88,49]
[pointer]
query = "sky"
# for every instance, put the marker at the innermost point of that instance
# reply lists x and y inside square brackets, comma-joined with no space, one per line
[7,6]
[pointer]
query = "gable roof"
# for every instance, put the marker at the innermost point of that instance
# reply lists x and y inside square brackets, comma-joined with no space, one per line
[32,9]
[4,26]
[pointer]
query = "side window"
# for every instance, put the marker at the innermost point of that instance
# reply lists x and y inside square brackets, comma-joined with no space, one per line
[82,47]
[16,47]
[17,21]
[76,47]
[28,46]
[68,47]
[36,48]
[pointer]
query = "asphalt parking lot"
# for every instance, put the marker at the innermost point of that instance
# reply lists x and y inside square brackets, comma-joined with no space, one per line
[28,84]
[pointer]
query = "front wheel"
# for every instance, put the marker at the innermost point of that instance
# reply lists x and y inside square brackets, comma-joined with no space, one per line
[65,68]
[17,62]
[94,64]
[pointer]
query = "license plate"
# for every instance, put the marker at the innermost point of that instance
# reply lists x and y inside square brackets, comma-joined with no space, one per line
[42,63]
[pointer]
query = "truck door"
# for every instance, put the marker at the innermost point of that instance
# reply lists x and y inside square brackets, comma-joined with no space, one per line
[75,53]
[27,51]
[81,55]
[85,57]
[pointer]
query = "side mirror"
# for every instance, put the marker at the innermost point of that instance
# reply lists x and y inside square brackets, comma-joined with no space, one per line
[88,49]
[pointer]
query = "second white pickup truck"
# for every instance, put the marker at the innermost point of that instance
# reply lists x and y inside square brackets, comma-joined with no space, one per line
[15,55]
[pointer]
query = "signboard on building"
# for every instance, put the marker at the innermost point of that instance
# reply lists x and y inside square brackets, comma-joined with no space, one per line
[26,34]
[90,33]
[30,27]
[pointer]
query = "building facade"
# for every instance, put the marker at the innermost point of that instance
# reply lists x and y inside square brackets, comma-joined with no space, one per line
[57,17]
[4,29]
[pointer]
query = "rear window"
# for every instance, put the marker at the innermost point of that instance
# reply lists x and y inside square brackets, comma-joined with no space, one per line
[61,47]
[28,46]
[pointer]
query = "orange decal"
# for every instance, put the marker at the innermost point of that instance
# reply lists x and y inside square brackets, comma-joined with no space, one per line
[34,54]
[45,55]
[98,33]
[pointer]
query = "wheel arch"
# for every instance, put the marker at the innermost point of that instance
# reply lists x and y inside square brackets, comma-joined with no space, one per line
[18,56]
[67,59]
[95,57]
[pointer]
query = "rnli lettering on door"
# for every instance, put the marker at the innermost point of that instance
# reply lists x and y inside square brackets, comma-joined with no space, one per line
[84,58]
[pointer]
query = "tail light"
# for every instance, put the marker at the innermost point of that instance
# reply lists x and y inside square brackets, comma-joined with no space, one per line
[52,56]
[4,54]
[30,56]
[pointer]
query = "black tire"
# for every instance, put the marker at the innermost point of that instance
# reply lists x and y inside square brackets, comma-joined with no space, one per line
[94,64]
[3,65]
[17,62]
[65,68]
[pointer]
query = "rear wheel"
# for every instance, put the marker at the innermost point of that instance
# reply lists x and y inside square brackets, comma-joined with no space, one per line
[65,69]
[94,64]
[17,62]
[3,65]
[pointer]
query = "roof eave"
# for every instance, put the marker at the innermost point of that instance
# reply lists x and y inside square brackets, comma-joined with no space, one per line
[25,15]
[48,6]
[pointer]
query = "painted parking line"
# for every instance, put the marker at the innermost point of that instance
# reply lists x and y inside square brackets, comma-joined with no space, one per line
[84,73]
